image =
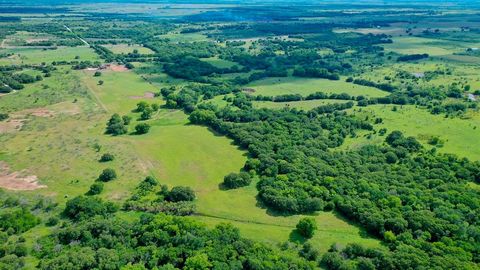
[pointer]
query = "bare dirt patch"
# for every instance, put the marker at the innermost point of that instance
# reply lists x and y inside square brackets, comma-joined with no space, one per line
[17,180]
[11,125]
[146,95]
[117,68]
[249,90]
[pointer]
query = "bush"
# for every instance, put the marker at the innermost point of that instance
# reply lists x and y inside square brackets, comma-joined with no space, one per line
[96,188]
[107,175]
[116,126]
[3,116]
[126,120]
[236,180]
[179,194]
[81,207]
[52,221]
[306,227]
[142,128]
[107,157]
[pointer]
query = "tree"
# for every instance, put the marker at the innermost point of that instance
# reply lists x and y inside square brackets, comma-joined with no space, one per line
[100,82]
[3,116]
[306,227]
[107,175]
[107,157]
[82,207]
[97,74]
[146,114]
[95,189]
[142,128]
[142,106]
[126,120]
[201,117]
[236,180]
[180,194]
[116,126]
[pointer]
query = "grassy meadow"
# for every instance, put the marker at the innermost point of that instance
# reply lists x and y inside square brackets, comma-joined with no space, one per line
[459,135]
[305,86]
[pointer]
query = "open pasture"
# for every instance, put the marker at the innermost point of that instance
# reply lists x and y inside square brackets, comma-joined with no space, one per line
[38,56]
[459,135]
[305,86]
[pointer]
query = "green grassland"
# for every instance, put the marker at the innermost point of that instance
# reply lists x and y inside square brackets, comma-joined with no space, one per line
[304,104]
[459,135]
[419,45]
[62,151]
[127,48]
[188,37]
[37,56]
[303,86]
[220,63]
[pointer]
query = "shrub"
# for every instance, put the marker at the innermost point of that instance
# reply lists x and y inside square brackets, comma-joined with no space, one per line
[81,207]
[116,126]
[95,189]
[142,128]
[52,221]
[178,194]
[107,157]
[107,175]
[126,120]
[306,227]
[3,116]
[236,180]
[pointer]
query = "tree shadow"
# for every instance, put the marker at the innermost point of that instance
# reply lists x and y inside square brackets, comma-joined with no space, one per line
[295,237]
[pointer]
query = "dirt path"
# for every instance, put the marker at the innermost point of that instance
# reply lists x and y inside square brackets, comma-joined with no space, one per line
[81,39]
[97,99]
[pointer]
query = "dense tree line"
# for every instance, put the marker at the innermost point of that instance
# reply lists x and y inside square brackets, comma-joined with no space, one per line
[157,242]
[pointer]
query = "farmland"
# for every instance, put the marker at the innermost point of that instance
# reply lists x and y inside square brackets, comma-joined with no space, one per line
[239,135]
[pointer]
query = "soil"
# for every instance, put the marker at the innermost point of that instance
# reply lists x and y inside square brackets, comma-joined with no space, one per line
[17,180]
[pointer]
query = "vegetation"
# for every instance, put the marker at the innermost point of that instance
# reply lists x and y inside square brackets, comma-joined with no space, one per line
[336,138]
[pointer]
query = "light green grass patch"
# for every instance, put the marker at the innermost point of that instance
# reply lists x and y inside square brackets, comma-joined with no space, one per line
[37,56]
[219,63]
[460,136]
[188,37]
[419,45]
[305,86]
[304,104]
[127,48]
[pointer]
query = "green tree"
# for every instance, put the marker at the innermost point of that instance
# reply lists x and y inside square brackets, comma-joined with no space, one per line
[306,227]
[179,194]
[95,189]
[107,157]
[142,128]
[107,175]
[236,180]
[116,126]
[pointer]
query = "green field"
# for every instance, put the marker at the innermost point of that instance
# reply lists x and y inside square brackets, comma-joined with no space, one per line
[127,48]
[304,104]
[61,152]
[302,86]
[460,136]
[220,63]
[37,56]
[418,45]
[190,37]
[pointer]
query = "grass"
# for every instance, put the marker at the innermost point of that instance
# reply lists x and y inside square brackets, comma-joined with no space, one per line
[127,48]
[220,63]
[304,86]
[460,136]
[37,56]
[61,151]
[188,37]
[419,45]
[304,104]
